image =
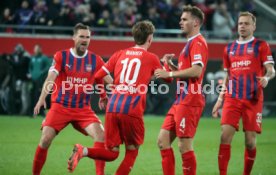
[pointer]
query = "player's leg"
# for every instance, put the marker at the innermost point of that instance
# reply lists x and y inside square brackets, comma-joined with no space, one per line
[231,114]
[252,124]
[249,152]
[132,131]
[224,154]
[128,161]
[164,141]
[96,131]
[48,134]
[185,146]
[165,138]
[186,120]
[54,122]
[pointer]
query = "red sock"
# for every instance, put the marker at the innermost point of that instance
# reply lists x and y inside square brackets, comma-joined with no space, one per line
[99,164]
[223,158]
[249,158]
[102,154]
[168,161]
[189,163]
[127,163]
[39,160]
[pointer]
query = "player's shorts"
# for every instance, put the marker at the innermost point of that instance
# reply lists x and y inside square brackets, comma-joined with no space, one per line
[183,120]
[121,128]
[249,110]
[59,117]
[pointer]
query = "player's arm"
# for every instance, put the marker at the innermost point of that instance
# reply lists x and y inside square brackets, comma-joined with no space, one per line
[192,72]
[270,74]
[46,89]
[220,99]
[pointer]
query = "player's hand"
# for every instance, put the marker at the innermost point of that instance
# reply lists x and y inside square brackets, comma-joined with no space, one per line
[161,73]
[167,58]
[103,103]
[38,106]
[215,112]
[263,81]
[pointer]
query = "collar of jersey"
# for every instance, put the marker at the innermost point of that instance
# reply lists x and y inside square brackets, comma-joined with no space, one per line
[191,38]
[77,56]
[247,41]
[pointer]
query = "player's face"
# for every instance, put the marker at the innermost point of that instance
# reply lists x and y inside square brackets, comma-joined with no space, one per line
[246,27]
[82,40]
[186,23]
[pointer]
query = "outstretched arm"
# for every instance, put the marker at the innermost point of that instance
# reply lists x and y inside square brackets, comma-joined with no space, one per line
[46,89]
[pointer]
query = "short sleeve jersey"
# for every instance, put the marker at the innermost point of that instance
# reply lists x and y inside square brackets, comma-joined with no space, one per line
[244,62]
[189,91]
[73,85]
[132,69]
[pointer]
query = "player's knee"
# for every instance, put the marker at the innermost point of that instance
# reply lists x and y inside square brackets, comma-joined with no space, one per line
[45,141]
[225,139]
[184,148]
[160,144]
[250,144]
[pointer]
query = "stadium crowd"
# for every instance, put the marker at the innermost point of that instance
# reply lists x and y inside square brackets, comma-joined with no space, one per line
[112,14]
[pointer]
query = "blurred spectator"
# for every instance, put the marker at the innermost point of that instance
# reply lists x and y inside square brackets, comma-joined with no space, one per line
[173,14]
[7,18]
[20,63]
[208,7]
[99,7]
[53,13]
[40,13]
[38,69]
[84,15]
[6,86]
[223,22]
[23,16]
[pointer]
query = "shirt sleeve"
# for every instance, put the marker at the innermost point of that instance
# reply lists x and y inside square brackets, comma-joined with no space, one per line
[197,53]
[56,63]
[107,68]
[265,53]
[226,62]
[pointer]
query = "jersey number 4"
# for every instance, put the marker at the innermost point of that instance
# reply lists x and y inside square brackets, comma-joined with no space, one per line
[127,69]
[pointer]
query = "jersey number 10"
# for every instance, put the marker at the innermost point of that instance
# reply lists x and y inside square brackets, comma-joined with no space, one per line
[127,69]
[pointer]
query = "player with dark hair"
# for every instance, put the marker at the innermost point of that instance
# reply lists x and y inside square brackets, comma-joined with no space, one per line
[249,66]
[72,71]
[183,117]
[132,68]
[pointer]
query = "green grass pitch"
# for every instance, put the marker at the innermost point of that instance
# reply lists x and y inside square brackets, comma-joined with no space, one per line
[19,137]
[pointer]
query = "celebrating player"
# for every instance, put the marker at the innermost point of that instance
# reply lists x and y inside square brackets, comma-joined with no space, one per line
[183,117]
[245,61]
[132,68]
[72,71]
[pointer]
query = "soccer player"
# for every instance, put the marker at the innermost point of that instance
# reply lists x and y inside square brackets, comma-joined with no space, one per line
[183,117]
[249,66]
[71,77]
[132,68]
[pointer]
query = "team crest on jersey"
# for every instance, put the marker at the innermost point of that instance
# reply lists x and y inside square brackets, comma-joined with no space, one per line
[88,67]
[249,50]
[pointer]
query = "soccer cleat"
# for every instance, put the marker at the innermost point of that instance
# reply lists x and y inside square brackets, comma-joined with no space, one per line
[75,157]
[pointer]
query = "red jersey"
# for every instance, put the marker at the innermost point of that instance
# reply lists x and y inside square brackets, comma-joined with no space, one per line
[75,78]
[132,68]
[244,62]
[190,90]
